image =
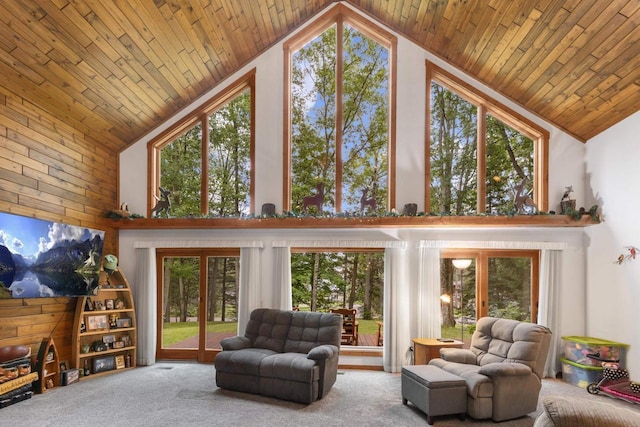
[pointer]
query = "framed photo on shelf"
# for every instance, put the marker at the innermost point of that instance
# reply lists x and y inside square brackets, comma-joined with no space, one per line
[63,365]
[101,364]
[120,361]
[108,304]
[109,340]
[98,305]
[95,323]
[124,322]
[118,344]
[119,304]
[126,340]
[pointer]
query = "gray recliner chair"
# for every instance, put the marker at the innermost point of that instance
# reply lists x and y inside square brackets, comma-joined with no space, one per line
[503,367]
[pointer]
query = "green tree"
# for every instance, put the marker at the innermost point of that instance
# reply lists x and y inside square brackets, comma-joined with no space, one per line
[315,154]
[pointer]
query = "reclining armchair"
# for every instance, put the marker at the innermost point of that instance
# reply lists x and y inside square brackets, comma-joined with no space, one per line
[503,367]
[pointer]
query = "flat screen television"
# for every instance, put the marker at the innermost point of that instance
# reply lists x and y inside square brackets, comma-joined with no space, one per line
[40,259]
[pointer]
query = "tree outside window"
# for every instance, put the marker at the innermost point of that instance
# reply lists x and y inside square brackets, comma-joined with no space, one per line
[339,138]
[480,155]
[205,162]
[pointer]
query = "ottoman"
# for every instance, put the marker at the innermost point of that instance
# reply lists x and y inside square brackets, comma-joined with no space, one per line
[434,391]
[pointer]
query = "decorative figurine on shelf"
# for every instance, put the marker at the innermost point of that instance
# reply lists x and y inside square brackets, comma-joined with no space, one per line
[524,203]
[364,201]
[163,204]
[317,200]
[567,204]
[109,266]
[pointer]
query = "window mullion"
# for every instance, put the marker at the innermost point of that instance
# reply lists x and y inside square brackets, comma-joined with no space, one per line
[204,178]
[339,111]
[482,159]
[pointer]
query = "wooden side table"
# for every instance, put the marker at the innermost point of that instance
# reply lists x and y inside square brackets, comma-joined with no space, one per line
[425,349]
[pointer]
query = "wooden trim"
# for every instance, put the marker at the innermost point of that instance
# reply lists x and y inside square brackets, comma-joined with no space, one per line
[488,105]
[481,175]
[200,115]
[356,222]
[340,15]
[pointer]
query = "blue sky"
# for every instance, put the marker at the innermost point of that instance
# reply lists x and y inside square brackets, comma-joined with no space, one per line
[29,236]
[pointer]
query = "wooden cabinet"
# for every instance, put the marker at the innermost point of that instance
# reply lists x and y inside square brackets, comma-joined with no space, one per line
[104,331]
[47,366]
[425,349]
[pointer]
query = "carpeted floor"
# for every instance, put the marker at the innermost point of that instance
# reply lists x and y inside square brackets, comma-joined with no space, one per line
[185,394]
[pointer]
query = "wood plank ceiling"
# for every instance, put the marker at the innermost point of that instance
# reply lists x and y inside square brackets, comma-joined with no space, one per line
[114,69]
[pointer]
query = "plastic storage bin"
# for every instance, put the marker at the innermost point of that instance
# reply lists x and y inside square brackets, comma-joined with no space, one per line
[580,375]
[577,348]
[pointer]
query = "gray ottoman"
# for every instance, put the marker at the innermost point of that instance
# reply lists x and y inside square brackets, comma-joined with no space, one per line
[434,391]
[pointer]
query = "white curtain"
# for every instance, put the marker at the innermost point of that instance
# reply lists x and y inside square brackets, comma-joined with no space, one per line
[397,339]
[427,295]
[548,315]
[144,296]
[249,292]
[282,278]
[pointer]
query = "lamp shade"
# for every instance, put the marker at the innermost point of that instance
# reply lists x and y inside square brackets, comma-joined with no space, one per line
[461,263]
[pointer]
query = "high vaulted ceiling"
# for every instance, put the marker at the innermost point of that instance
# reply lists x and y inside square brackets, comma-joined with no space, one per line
[115,69]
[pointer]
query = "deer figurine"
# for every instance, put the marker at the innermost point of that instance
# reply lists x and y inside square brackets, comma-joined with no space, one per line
[524,203]
[163,204]
[316,200]
[364,201]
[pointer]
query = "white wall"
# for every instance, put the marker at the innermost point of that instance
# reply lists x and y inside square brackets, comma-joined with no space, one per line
[566,168]
[613,291]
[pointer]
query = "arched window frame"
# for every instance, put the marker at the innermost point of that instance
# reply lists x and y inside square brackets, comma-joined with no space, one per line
[200,115]
[339,15]
[488,105]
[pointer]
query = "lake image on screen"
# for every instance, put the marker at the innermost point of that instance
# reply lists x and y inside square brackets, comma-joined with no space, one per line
[47,259]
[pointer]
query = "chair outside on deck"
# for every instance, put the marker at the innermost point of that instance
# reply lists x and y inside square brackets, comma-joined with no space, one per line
[349,325]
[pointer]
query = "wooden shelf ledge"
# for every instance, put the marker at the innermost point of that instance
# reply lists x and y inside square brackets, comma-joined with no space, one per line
[354,222]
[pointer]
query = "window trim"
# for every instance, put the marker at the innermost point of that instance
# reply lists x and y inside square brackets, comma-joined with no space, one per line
[202,353]
[199,116]
[487,105]
[340,15]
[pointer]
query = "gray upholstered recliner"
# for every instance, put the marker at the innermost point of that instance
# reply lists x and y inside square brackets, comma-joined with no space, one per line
[283,354]
[503,367]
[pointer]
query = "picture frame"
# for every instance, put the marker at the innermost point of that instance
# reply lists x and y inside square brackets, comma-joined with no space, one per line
[69,376]
[63,366]
[118,344]
[108,304]
[119,361]
[97,322]
[109,340]
[88,305]
[98,305]
[102,364]
[124,322]
[126,340]
[119,304]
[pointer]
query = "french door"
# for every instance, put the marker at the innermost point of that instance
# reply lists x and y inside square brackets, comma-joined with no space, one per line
[197,301]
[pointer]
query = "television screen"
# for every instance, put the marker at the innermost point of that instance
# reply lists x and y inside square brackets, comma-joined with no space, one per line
[41,258]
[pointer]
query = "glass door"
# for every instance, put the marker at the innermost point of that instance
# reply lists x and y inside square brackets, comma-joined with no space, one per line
[196,302]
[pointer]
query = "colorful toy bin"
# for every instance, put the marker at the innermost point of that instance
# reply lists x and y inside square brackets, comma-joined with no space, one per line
[577,348]
[580,375]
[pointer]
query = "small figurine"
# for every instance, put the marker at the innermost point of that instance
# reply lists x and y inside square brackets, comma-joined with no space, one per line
[524,203]
[163,204]
[317,200]
[364,201]
[567,193]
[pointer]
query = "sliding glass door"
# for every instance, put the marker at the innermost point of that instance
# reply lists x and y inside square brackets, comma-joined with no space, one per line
[197,301]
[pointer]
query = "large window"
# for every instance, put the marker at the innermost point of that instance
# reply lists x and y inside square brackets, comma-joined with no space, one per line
[482,158]
[339,114]
[205,162]
[497,283]
[327,279]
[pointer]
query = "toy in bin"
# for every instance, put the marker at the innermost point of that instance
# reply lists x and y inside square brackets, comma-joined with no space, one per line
[614,381]
[577,349]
